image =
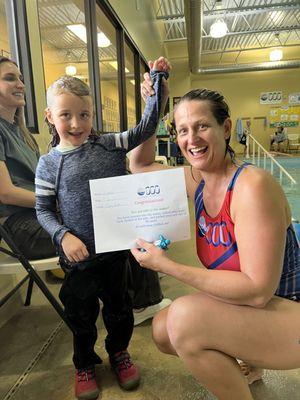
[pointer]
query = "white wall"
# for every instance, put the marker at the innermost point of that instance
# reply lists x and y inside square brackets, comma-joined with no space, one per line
[139,19]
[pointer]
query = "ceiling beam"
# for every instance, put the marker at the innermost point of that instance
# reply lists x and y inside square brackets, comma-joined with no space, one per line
[228,12]
[211,52]
[171,16]
[250,32]
[259,9]
[265,30]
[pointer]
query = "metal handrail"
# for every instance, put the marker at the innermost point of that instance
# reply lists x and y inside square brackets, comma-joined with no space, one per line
[282,170]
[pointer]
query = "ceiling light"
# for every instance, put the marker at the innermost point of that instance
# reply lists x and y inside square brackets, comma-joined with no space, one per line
[80,31]
[132,81]
[102,40]
[218,29]
[276,55]
[71,70]
[114,64]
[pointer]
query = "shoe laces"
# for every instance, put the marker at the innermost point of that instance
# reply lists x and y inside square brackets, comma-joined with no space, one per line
[85,374]
[122,360]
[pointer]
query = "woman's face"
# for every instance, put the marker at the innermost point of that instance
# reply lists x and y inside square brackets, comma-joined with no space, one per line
[200,137]
[12,89]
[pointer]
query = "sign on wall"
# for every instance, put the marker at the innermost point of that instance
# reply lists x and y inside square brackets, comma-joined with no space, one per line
[284,116]
[271,97]
[294,98]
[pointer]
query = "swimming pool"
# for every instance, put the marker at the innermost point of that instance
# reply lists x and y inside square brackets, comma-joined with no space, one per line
[292,165]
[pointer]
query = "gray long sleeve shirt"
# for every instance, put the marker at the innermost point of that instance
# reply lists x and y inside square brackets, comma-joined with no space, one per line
[62,179]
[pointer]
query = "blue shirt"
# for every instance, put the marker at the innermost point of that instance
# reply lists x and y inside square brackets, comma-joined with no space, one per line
[63,200]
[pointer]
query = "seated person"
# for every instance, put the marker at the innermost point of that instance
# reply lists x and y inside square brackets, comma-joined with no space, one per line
[279,140]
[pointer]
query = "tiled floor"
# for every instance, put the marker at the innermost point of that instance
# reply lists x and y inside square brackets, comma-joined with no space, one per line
[36,352]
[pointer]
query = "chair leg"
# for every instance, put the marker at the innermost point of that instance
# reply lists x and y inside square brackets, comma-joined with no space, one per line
[29,292]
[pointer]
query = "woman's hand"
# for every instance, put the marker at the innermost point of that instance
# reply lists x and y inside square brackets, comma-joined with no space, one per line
[161,64]
[153,258]
[75,250]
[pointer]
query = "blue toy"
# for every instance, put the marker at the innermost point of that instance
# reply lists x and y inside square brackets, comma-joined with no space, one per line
[162,242]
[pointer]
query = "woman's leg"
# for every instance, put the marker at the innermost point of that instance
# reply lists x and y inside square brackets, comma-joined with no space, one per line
[160,333]
[28,235]
[208,335]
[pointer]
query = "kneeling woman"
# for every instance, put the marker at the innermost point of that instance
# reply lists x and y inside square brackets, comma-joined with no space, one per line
[243,306]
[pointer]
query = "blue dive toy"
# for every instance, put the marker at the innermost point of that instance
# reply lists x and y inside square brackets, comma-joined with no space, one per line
[162,242]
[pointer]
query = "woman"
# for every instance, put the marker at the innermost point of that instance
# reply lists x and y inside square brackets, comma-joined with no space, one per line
[18,159]
[245,239]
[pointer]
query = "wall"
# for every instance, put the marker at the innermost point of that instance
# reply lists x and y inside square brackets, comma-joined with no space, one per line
[139,19]
[242,91]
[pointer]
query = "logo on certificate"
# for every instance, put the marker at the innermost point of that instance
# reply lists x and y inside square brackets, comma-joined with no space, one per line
[148,190]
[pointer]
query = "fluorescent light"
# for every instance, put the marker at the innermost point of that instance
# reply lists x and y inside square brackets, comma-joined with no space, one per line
[71,70]
[276,55]
[80,31]
[218,29]
[102,40]
[114,64]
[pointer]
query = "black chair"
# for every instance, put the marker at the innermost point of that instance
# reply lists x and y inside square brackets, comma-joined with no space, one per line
[13,261]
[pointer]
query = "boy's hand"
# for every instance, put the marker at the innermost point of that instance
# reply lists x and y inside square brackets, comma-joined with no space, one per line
[161,64]
[74,249]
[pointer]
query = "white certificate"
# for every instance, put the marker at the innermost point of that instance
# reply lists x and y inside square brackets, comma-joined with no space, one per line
[142,206]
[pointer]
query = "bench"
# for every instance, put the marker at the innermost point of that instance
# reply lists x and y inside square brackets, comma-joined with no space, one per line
[293,142]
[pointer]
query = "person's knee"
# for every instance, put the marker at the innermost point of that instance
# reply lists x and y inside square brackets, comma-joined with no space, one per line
[159,331]
[183,323]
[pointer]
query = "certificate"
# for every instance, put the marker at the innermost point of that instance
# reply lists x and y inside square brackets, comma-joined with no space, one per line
[142,206]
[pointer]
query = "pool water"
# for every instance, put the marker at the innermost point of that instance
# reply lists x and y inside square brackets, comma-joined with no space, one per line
[292,165]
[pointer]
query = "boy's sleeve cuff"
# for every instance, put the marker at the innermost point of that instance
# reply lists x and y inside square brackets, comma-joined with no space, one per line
[59,234]
[154,72]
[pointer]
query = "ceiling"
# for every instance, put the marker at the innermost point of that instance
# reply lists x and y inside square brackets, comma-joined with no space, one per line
[254,28]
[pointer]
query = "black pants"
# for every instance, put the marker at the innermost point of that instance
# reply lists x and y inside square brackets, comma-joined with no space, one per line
[85,283]
[144,285]
[31,239]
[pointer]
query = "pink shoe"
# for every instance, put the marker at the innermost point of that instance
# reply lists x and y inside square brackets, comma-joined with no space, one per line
[85,384]
[127,373]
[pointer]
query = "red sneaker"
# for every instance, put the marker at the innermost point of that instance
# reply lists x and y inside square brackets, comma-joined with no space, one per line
[127,373]
[85,384]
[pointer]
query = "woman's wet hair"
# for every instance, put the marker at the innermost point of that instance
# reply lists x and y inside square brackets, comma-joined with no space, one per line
[19,118]
[218,106]
[65,84]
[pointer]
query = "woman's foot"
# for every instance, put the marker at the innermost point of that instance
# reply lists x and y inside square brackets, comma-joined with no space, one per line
[252,374]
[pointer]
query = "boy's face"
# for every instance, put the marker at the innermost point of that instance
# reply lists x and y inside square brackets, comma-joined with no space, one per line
[72,117]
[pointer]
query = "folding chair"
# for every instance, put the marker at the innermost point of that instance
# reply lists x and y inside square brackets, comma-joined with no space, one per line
[13,261]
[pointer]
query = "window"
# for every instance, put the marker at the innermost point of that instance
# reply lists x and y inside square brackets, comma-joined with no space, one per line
[108,65]
[63,34]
